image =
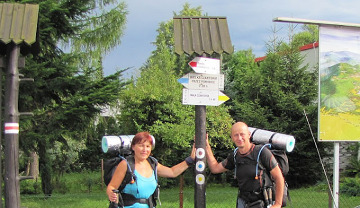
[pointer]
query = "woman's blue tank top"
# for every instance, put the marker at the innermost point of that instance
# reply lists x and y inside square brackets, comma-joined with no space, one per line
[142,188]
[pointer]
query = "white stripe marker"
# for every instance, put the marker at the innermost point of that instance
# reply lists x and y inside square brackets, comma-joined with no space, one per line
[11,128]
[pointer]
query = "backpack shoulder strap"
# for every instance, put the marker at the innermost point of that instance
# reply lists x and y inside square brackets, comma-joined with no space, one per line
[258,159]
[153,162]
[234,155]
[131,166]
[130,176]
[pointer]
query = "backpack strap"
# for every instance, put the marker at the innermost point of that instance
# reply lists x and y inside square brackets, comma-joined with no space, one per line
[131,171]
[129,199]
[234,153]
[257,160]
[153,162]
[156,195]
[131,167]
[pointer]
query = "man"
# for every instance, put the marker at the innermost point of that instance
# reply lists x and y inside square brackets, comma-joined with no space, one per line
[245,166]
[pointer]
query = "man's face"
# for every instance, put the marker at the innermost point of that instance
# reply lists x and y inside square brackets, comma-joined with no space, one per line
[240,135]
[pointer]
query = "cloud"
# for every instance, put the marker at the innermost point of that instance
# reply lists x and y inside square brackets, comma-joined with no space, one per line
[250,23]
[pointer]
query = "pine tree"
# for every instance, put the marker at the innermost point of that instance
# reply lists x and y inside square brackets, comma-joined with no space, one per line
[69,89]
[274,96]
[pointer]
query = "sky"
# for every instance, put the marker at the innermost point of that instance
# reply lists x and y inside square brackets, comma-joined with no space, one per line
[250,24]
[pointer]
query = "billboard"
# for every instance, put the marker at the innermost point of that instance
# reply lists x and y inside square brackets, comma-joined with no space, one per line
[339,83]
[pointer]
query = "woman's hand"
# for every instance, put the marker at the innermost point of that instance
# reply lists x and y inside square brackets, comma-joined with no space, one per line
[112,195]
[193,151]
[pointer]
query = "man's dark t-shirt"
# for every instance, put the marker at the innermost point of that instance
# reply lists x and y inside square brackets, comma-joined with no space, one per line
[246,167]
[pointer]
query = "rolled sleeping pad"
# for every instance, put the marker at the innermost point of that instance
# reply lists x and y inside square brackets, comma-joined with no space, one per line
[277,140]
[119,144]
[116,144]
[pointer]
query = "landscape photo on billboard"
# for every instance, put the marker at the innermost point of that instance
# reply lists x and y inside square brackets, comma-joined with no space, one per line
[339,83]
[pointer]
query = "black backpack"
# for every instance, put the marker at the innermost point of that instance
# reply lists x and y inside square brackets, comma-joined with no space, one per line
[268,184]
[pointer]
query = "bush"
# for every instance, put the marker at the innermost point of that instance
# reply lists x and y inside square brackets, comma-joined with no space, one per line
[60,186]
[30,187]
[89,180]
[350,186]
[353,169]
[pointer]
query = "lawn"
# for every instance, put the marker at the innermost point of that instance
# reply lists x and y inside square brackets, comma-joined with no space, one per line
[216,197]
[85,191]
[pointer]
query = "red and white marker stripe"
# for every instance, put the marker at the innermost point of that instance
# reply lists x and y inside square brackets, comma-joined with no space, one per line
[11,128]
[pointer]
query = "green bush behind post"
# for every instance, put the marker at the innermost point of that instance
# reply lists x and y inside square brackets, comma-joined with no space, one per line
[30,187]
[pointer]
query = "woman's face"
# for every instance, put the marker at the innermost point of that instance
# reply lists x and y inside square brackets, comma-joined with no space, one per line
[142,150]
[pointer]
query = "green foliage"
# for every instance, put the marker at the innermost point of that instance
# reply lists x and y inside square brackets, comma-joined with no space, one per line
[353,169]
[64,155]
[153,103]
[30,187]
[69,90]
[90,157]
[89,181]
[351,186]
[60,185]
[273,96]
[310,34]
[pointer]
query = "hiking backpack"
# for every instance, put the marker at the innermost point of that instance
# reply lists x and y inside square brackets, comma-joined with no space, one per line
[268,184]
[111,165]
[109,169]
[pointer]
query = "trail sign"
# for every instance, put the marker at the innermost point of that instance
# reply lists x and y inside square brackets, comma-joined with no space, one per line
[203,97]
[205,65]
[203,81]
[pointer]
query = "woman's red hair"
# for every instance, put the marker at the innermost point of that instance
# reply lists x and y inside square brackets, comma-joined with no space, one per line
[142,137]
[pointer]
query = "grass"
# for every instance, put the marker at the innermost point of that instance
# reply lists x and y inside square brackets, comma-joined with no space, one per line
[217,196]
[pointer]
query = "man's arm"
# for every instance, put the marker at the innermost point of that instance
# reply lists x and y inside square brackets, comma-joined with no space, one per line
[214,165]
[279,182]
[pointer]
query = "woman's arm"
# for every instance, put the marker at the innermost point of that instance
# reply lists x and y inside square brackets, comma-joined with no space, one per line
[176,170]
[116,180]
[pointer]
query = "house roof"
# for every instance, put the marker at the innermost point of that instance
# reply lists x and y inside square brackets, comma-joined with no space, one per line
[302,48]
[202,35]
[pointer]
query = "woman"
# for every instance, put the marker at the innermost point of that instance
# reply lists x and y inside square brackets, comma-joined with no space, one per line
[139,194]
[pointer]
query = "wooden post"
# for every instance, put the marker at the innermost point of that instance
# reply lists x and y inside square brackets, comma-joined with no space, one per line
[11,120]
[2,66]
[102,174]
[200,159]
[181,191]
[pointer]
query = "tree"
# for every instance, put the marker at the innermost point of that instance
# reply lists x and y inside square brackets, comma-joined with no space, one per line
[153,102]
[69,89]
[310,34]
[274,96]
